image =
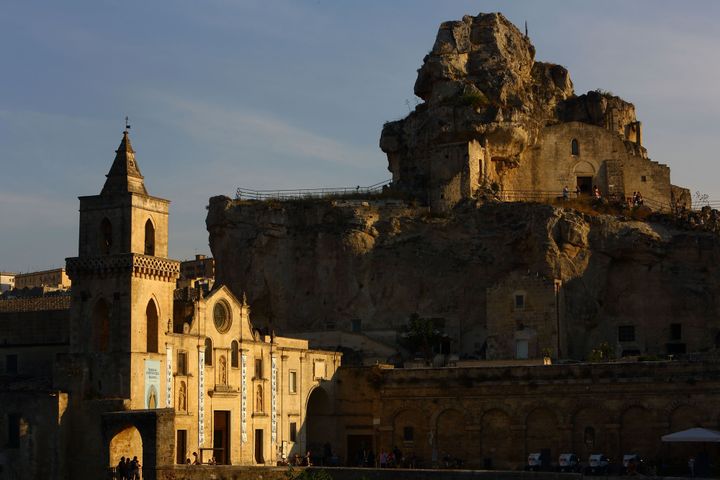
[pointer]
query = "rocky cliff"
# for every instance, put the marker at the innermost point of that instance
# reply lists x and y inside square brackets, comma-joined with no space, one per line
[338,264]
[308,264]
[481,82]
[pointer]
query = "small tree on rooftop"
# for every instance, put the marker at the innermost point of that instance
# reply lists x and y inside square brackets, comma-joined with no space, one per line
[421,335]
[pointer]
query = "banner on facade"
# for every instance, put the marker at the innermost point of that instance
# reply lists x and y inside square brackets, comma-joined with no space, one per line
[273,401]
[168,376]
[201,391]
[152,383]
[243,400]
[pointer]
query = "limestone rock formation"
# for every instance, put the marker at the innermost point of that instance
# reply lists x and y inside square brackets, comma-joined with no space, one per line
[308,266]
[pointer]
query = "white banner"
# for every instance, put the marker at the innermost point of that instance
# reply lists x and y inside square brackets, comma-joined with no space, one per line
[168,376]
[152,383]
[201,394]
[243,400]
[273,401]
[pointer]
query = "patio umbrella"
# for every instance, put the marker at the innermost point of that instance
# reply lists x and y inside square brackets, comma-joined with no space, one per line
[693,435]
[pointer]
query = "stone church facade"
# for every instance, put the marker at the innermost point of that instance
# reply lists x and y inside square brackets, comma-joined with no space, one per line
[154,374]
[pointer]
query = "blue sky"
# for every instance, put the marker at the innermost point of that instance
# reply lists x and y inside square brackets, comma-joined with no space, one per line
[291,94]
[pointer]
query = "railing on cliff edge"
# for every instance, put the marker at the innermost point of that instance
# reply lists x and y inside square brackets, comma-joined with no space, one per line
[307,193]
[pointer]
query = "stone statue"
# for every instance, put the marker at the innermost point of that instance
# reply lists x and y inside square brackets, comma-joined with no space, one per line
[182,397]
[223,370]
[259,399]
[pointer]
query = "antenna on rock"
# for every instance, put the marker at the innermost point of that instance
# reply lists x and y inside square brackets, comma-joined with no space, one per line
[526,33]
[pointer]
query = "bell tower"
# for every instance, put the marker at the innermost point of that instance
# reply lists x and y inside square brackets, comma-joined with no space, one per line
[123,286]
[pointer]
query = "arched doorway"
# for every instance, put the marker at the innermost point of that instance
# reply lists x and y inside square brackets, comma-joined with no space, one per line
[542,435]
[637,433]
[584,173]
[450,426]
[319,423]
[497,449]
[127,443]
[151,314]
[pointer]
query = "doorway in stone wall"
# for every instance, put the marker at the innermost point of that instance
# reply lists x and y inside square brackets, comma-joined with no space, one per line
[221,436]
[585,185]
[259,458]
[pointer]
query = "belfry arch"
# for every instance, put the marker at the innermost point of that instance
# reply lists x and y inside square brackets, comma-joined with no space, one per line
[149,238]
[151,317]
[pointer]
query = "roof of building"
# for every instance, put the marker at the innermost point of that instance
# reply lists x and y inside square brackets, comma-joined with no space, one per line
[124,175]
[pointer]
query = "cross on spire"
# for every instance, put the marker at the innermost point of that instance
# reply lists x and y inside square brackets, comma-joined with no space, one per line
[127,123]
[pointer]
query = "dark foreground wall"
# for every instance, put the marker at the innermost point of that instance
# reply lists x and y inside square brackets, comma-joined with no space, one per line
[224,472]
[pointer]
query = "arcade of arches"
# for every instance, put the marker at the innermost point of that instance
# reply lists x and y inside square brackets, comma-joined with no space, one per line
[494,417]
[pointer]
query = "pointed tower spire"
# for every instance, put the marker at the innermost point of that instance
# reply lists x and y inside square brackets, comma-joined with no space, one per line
[124,175]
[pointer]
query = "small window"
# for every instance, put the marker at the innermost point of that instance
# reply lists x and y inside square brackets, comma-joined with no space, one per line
[574,147]
[13,430]
[519,301]
[149,238]
[675,331]
[182,363]
[643,178]
[234,354]
[293,432]
[258,368]
[292,382]
[626,333]
[208,352]
[11,364]
[105,236]
[356,325]
[408,434]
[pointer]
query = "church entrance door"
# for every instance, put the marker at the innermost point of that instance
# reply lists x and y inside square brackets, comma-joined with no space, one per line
[221,436]
[585,185]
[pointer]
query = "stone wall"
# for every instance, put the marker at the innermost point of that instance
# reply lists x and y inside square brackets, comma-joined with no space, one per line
[503,414]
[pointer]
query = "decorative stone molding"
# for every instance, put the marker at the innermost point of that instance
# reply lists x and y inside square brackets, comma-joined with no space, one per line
[142,266]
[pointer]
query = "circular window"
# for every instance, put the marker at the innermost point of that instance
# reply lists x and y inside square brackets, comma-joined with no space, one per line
[221,317]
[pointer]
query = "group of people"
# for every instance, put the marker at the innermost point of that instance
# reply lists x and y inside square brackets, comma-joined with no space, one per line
[566,192]
[196,460]
[637,199]
[128,469]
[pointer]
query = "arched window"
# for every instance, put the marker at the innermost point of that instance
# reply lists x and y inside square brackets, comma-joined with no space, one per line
[149,238]
[574,147]
[105,236]
[101,326]
[234,354]
[208,352]
[151,315]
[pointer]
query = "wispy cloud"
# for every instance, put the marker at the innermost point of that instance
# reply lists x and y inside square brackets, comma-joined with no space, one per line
[238,129]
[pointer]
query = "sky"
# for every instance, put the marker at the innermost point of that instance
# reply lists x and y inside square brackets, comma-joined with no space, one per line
[280,94]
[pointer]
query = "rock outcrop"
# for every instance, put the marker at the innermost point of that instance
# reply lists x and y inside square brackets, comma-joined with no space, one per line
[308,264]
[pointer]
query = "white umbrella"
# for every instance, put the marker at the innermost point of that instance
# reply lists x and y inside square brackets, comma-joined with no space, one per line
[693,435]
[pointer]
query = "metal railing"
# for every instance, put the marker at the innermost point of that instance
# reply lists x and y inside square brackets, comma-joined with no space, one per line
[309,193]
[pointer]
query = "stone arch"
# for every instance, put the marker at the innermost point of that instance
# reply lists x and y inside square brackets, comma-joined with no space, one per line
[497,446]
[638,431]
[208,352]
[584,168]
[542,434]
[588,431]
[319,420]
[449,425]
[149,237]
[412,434]
[127,443]
[105,238]
[101,326]
[151,323]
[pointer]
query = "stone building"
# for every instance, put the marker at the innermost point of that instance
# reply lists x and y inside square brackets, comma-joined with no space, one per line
[493,119]
[55,278]
[7,281]
[525,318]
[199,271]
[145,375]
[493,417]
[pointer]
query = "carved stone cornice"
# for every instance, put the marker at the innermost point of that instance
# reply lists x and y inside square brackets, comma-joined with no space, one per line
[135,264]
